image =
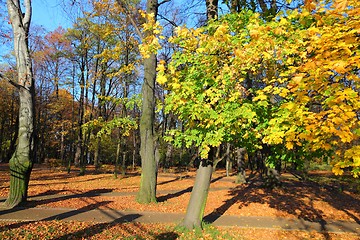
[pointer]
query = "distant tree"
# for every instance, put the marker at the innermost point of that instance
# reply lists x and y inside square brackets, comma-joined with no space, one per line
[8,119]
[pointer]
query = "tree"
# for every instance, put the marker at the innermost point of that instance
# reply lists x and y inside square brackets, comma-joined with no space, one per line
[196,207]
[51,68]
[147,191]
[8,120]
[22,159]
[298,109]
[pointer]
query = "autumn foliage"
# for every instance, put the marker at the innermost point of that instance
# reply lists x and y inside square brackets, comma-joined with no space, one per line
[291,84]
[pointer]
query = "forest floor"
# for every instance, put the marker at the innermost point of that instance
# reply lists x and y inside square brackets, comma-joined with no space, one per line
[322,198]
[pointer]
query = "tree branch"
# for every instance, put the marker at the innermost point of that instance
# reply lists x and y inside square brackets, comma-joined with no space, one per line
[16,85]
[27,18]
[125,6]
[168,20]
[164,1]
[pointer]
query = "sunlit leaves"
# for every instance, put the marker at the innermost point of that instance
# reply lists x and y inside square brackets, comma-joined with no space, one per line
[304,74]
[151,35]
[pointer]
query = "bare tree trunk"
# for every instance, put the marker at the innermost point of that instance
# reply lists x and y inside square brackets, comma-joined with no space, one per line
[228,162]
[96,154]
[62,144]
[147,192]
[22,159]
[241,158]
[199,194]
[116,164]
[79,154]
[123,164]
[134,152]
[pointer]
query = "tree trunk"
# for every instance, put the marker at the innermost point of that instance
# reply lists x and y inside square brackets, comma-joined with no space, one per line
[22,159]
[116,164]
[79,154]
[97,163]
[134,151]
[228,162]
[242,157]
[123,164]
[196,207]
[211,9]
[62,145]
[147,192]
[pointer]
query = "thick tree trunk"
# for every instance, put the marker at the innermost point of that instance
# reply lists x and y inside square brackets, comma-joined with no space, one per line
[147,192]
[196,206]
[22,159]
[21,162]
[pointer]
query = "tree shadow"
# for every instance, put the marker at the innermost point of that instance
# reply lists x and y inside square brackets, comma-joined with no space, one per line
[74,212]
[174,195]
[297,198]
[121,230]
[189,189]
[48,193]
[135,230]
[120,226]
[64,182]
[92,193]
[216,179]
[167,236]
[173,180]
[35,203]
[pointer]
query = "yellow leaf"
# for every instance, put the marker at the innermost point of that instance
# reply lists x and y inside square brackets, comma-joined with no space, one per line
[298,77]
[289,145]
[161,79]
[337,170]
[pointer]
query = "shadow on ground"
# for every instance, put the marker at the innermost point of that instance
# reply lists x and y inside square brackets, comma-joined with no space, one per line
[294,197]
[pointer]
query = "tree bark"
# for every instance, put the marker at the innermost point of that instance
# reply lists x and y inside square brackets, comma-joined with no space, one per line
[242,157]
[22,159]
[147,192]
[196,206]
[228,160]
[211,9]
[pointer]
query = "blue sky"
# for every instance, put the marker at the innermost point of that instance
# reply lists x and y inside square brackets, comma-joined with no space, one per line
[49,14]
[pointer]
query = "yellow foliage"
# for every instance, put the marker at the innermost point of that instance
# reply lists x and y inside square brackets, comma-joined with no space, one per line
[161,79]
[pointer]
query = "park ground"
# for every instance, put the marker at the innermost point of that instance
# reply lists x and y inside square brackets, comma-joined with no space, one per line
[321,198]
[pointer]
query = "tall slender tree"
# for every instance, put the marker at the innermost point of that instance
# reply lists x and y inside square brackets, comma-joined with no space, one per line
[147,192]
[196,206]
[22,159]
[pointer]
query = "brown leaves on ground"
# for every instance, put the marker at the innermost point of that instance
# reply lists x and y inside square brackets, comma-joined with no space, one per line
[103,231]
[332,199]
[307,200]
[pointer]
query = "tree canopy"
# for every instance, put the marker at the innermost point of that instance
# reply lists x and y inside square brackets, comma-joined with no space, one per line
[291,83]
